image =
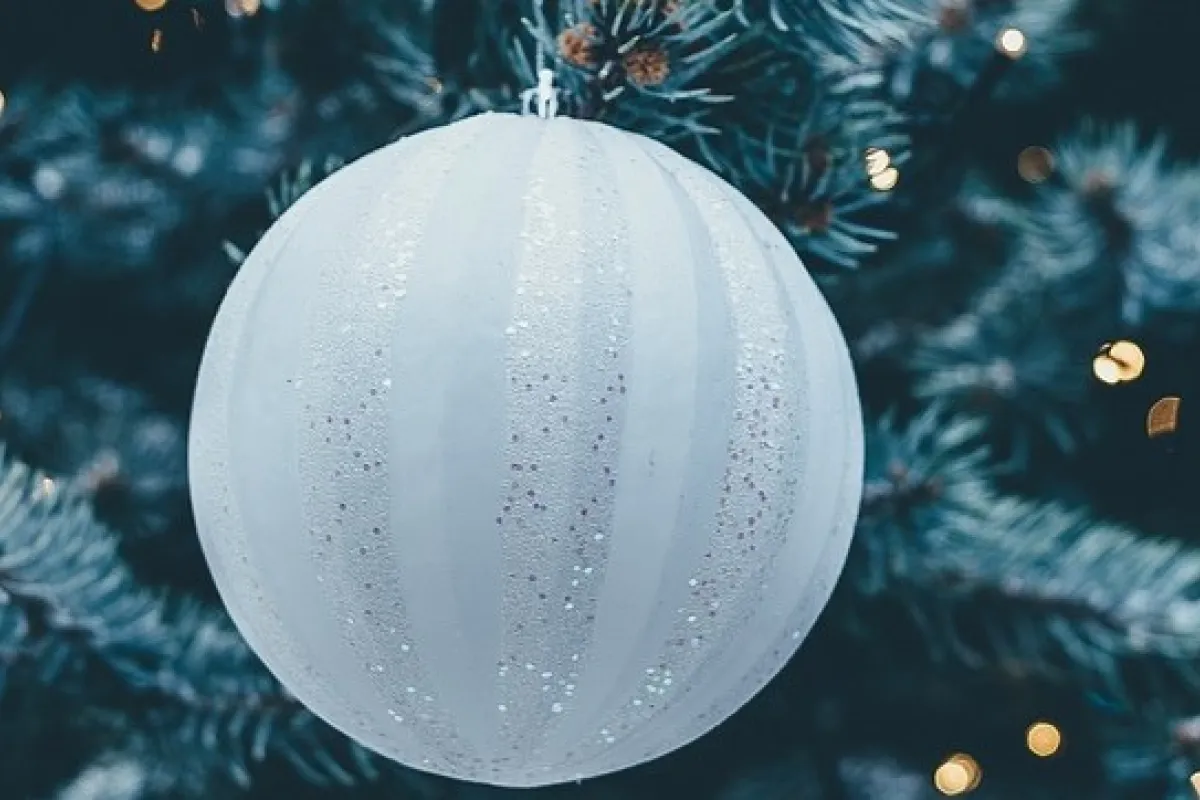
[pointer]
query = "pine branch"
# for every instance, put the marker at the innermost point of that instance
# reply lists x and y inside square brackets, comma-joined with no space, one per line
[110,778]
[814,178]
[922,54]
[908,473]
[803,160]
[107,440]
[449,60]
[104,181]
[1118,218]
[288,188]
[1027,588]
[1106,247]
[1014,360]
[645,65]
[67,597]
[69,604]
[214,697]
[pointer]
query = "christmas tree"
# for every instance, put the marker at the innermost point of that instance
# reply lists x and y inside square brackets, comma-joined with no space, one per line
[995,197]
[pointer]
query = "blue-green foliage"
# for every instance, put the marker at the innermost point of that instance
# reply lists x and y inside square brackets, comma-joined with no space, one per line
[72,611]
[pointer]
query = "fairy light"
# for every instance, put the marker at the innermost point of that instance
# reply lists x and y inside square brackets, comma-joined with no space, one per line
[1043,739]
[242,8]
[878,160]
[1195,779]
[1119,362]
[880,172]
[1035,164]
[886,180]
[1012,43]
[2,101]
[1163,417]
[1106,370]
[150,5]
[156,40]
[1129,357]
[957,775]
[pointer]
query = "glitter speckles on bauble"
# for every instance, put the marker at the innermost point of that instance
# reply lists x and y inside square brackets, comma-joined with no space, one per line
[524,450]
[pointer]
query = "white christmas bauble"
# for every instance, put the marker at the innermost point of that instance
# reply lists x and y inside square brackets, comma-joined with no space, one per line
[524,450]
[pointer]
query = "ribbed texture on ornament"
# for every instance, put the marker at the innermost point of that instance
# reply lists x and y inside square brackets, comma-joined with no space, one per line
[525,450]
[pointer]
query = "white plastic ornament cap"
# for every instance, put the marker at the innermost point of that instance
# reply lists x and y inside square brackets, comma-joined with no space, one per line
[524,450]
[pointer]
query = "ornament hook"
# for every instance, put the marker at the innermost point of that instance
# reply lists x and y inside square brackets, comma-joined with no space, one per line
[543,98]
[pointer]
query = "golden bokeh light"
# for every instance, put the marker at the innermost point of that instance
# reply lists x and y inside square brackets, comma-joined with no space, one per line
[150,5]
[1106,370]
[1163,417]
[957,775]
[1043,739]
[1012,43]
[1130,357]
[1035,164]
[886,180]
[1196,783]
[156,40]
[878,160]
[1119,362]
[242,8]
